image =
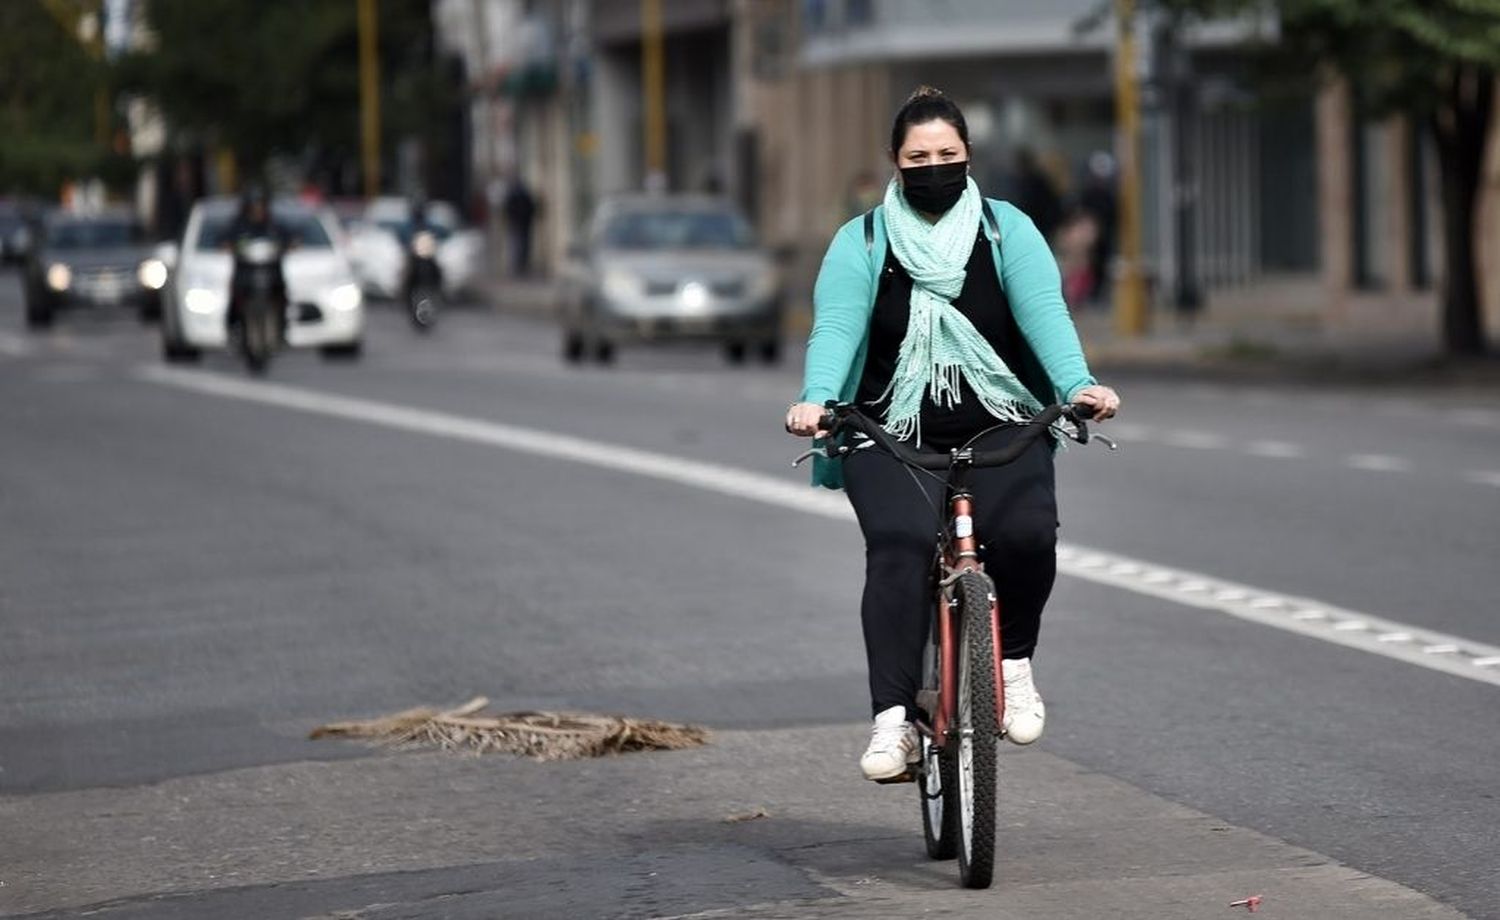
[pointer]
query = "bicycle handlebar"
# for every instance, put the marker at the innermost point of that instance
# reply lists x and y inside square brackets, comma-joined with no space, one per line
[840,416]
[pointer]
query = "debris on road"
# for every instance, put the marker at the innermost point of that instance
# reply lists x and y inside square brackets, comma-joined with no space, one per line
[539,735]
[747,816]
[1251,903]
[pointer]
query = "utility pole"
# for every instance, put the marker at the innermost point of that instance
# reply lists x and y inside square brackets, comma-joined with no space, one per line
[654,93]
[369,94]
[1130,287]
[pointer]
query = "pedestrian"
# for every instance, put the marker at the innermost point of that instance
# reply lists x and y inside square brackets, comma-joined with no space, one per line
[519,208]
[1098,199]
[890,314]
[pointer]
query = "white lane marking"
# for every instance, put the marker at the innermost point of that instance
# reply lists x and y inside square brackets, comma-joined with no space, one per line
[1473,660]
[1379,463]
[1196,440]
[14,345]
[1276,449]
[1484,477]
[1482,418]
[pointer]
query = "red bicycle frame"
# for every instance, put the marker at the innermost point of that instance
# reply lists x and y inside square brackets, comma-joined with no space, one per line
[960,554]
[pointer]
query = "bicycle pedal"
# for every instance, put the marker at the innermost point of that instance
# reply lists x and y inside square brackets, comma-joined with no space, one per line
[910,776]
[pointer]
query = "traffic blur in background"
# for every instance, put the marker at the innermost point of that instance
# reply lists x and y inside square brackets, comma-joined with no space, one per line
[1250,171]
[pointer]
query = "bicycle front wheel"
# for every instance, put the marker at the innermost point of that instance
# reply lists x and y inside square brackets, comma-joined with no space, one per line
[978,733]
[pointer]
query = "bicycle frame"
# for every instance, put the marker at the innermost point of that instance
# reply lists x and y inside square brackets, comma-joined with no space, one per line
[959,554]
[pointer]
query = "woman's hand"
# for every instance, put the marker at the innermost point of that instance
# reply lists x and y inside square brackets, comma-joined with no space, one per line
[804,420]
[1104,401]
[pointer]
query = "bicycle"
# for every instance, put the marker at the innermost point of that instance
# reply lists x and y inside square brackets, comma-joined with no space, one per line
[962,678]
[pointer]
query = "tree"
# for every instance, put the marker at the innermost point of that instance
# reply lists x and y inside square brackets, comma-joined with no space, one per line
[263,78]
[1435,61]
[47,98]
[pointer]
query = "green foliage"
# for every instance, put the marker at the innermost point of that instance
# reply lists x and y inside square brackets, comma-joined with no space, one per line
[1399,54]
[280,76]
[47,91]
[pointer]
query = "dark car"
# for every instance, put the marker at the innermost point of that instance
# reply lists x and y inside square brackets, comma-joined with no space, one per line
[94,261]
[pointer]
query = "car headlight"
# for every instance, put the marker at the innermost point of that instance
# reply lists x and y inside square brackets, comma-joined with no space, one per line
[152,274]
[693,296]
[203,300]
[344,297]
[59,276]
[424,244]
[620,285]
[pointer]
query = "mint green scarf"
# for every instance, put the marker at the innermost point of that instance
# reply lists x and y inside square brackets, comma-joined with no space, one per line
[941,345]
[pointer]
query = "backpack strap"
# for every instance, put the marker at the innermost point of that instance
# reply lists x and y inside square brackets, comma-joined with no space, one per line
[991,223]
[870,230]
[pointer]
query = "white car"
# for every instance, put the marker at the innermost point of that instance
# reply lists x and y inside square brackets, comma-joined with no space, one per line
[326,307]
[378,254]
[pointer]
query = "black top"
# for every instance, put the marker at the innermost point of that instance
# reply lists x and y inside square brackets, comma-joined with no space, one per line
[985,305]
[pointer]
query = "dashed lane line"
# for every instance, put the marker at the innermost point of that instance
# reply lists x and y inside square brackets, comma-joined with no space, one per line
[14,346]
[1282,450]
[1379,463]
[1303,616]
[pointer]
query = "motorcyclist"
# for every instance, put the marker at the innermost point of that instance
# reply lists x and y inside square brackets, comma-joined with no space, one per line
[253,221]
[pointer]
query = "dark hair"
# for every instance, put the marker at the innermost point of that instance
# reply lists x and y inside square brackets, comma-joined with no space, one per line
[924,105]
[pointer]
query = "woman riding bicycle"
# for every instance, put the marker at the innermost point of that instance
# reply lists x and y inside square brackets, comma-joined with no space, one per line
[942,313]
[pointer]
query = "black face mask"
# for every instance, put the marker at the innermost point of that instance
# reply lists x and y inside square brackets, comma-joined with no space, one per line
[936,188]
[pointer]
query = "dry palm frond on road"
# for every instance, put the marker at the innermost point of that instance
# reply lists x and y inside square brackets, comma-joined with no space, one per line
[542,735]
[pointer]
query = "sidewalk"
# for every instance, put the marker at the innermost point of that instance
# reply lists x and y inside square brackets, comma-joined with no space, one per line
[533,296]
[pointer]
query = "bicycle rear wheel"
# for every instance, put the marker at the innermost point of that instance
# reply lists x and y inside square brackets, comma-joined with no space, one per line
[978,733]
[938,782]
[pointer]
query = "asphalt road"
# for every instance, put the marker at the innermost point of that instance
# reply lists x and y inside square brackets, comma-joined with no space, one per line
[196,570]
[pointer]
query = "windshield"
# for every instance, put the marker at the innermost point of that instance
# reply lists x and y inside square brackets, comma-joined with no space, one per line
[677,230]
[402,229]
[302,230]
[94,234]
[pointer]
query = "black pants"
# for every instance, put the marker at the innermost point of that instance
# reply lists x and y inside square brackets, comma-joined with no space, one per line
[1015,518]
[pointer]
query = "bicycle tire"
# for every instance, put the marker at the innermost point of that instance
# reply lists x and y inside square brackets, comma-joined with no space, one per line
[937,785]
[978,733]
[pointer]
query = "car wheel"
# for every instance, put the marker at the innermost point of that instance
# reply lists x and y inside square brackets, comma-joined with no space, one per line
[573,347]
[149,312]
[173,353]
[734,352]
[348,351]
[770,351]
[38,314]
[604,351]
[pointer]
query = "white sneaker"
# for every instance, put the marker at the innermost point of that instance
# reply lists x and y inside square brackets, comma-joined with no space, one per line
[1025,716]
[893,746]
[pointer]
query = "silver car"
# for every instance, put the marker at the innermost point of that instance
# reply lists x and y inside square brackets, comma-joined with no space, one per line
[666,267]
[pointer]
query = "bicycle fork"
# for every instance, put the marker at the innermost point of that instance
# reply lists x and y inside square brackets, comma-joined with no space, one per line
[963,556]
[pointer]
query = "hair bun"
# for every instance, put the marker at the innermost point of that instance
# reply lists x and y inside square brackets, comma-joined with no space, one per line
[924,92]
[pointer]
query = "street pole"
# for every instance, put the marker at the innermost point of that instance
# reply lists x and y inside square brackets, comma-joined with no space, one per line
[654,91]
[369,95]
[1130,287]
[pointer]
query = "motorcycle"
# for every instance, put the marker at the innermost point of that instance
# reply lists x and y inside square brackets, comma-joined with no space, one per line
[424,281]
[258,314]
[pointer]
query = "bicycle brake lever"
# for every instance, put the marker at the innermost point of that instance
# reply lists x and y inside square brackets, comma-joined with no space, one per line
[814,452]
[1108,442]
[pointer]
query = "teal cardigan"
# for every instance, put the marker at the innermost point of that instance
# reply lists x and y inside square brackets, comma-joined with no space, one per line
[844,299]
